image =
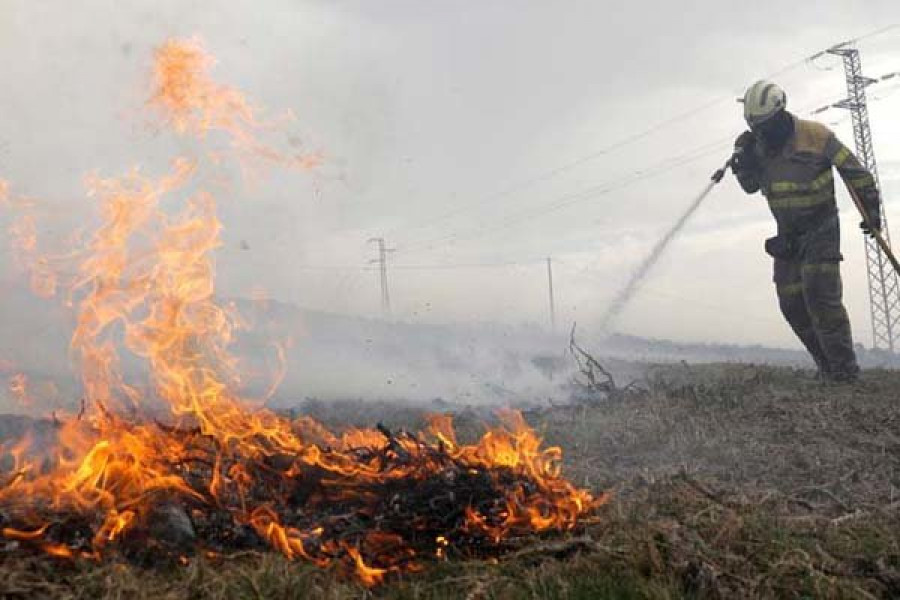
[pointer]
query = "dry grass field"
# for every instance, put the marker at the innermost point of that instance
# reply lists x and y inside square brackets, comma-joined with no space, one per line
[727,481]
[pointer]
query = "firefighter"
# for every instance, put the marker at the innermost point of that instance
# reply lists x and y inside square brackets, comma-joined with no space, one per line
[790,161]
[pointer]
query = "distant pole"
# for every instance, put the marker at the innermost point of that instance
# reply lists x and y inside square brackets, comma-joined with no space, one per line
[550,290]
[382,275]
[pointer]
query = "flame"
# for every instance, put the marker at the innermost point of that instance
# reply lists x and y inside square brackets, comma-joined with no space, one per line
[23,234]
[18,387]
[144,284]
[25,536]
[190,99]
[114,524]
[32,396]
[368,575]
[192,102]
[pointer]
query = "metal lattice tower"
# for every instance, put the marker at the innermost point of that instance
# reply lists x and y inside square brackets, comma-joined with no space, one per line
[382,275]
[884,291]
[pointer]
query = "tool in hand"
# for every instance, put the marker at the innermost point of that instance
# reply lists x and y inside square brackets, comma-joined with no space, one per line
[875,233]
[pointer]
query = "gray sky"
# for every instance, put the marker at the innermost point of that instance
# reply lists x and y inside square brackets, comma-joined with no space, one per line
[441,124]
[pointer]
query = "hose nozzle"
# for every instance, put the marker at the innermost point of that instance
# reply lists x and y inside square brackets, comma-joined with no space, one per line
[729,164]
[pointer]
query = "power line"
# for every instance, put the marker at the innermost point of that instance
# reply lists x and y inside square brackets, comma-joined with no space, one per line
[581,274]
[628,140]
[439,266]
[855,40]
[555,171]
[573,198]
[416,267]
[619,144]
[562,202]
[330,268]
[872,82]
[552,173]
[590,193]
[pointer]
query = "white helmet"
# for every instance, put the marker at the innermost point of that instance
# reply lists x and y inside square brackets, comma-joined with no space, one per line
[763,101]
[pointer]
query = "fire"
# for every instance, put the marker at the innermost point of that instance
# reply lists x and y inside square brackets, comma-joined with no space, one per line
[18,387]
[190,99]
[31,395]
[370,502]
[192,102]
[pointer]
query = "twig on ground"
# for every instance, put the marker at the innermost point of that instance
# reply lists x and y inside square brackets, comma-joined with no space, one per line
[587,365]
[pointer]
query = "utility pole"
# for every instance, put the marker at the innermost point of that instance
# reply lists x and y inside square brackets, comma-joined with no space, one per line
[884,288]
[550,289]
[382,275]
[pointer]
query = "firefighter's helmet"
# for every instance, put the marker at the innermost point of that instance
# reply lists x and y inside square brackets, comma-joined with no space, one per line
[763,101]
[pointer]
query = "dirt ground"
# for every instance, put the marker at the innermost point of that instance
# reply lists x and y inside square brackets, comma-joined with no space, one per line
[727,481]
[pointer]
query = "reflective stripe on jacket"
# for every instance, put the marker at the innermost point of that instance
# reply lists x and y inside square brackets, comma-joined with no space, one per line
[798,183]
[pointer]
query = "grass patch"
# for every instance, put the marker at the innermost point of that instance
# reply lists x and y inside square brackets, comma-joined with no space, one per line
[728,481]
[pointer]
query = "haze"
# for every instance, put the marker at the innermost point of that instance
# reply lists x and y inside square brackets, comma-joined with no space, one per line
[477,138]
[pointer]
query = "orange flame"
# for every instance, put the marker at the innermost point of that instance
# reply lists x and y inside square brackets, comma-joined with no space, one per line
[18,387]
[192,102]
[190,99]
[145,283]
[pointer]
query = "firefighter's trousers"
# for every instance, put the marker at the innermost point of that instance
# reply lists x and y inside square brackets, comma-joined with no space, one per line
[810,297]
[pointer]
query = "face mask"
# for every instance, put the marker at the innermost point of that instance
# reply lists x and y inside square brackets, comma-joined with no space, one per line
[775,132]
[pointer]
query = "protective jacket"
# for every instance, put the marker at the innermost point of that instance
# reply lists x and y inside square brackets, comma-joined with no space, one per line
[797,181]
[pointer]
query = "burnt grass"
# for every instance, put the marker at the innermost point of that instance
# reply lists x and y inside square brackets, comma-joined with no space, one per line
[728,481]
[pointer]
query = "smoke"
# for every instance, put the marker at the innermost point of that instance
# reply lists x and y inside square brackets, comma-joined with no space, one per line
[624,297]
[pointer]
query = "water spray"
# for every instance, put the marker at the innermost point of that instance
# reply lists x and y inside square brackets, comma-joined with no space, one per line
[625,295]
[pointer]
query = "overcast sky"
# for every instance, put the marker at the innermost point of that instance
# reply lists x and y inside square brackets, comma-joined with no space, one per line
[451,128]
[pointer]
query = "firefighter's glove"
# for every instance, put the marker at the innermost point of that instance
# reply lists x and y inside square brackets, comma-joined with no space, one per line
[744,163]
[747,138]
[875,221]
[873,212]
[869,230]
[744,152]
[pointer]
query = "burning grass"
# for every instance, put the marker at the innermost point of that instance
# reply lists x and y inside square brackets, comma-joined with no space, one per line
[212,473]
[217,472]
[730,482]
[366,503]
